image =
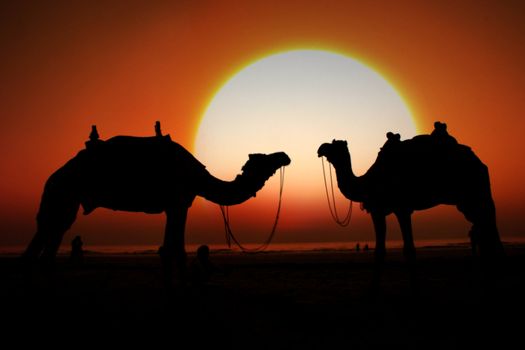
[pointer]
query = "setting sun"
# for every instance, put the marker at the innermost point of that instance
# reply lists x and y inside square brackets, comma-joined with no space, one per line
[165,173]
[294,101]
[227,79]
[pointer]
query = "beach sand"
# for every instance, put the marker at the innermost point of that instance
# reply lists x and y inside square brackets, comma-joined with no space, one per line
[269,300]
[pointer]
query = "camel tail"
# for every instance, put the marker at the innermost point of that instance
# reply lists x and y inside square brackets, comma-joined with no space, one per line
[58,209]
[481,211]
[485,233]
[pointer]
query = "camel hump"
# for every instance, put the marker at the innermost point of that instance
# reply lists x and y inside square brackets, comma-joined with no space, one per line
[422,148]
[142,151]
[158,148]
[139,141]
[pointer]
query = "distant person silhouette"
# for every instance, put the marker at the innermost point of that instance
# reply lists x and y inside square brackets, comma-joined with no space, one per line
[357,247]
[202,268]
[365,248]
[77,254]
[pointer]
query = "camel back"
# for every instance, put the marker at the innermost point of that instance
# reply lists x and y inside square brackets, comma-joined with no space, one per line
[139,154]
[132,173]
[429,166]
[426,153]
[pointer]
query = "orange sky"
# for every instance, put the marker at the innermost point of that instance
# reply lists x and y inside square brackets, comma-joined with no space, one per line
[126,64]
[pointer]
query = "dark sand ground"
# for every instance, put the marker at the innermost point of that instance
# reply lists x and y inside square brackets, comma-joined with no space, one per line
[274,300]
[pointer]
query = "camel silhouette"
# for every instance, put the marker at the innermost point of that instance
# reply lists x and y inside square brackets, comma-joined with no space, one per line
[139,174]
[418,174]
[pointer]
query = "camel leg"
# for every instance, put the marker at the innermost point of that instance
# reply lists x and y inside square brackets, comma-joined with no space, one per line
[35,247]
[379,221]
[485,241]
[405,223]
[56,215]
[173,250]
[409,250]
[484,234]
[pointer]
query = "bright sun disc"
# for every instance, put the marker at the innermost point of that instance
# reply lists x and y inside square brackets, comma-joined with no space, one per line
[294,102]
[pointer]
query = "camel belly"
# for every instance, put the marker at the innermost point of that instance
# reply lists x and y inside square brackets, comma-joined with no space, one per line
[137,196]
[391,199]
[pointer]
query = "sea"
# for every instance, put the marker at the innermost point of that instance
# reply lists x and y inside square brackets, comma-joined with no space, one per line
[276,247]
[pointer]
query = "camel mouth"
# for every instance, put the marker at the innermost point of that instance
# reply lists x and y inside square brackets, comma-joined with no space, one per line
[322,150]
[267,163]
[328,148]
[283,158]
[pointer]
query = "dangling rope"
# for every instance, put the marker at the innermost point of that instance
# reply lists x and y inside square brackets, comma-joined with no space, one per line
[229,234]
[331,202]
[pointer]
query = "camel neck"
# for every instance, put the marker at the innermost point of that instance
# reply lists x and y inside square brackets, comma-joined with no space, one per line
[349,184]
[229,192]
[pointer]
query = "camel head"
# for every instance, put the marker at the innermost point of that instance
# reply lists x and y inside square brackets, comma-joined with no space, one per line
[260,167]
[255,172]
[335,151]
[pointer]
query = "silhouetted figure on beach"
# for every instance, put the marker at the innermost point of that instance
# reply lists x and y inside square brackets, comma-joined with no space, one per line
[357,247]
[140,174]
[202,268]
[77,254]
[366,248]
[418,174]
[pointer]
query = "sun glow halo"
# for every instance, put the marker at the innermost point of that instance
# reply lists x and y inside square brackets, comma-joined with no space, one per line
[293,102]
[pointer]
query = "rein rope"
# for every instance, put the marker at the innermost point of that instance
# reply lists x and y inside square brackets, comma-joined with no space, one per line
[229,234]
[331,202]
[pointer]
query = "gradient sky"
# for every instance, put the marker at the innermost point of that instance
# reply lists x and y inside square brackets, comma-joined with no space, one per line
[125,64]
